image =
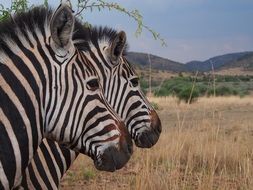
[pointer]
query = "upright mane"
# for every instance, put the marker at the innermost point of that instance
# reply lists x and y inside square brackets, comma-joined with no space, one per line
[24,22]
[37,18]
[86,35]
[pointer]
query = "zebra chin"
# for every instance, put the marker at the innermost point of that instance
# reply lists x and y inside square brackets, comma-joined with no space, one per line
[149,137]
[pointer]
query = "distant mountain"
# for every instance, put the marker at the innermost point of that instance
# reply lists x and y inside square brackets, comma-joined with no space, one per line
[243,60]
[245,63]
[159,63]
[215,62]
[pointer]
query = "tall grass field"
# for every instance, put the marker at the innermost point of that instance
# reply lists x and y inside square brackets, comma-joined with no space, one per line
[204,145]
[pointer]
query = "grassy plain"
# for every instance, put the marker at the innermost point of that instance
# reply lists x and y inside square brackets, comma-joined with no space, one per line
[205,145]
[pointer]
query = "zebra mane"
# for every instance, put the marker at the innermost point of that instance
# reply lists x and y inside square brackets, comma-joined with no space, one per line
[37,17]
[86,35]
[24,22]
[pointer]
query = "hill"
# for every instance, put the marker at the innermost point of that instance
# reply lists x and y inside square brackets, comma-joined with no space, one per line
[245,62]
[158,63]
[216,62]
[241,66]
[234,75]
[241,62]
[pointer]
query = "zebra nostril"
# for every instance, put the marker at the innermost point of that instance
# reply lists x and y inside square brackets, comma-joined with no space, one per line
[155,122]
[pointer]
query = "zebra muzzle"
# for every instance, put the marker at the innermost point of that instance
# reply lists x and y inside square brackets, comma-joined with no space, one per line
[149,137]
[115,157]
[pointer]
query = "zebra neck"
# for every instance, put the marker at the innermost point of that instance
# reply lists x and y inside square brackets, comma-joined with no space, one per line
[22,82]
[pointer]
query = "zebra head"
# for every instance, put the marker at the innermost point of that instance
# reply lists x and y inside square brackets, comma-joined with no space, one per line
[105,49]
[77,114]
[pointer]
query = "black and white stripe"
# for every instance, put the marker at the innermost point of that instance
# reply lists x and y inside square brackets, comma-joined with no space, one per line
[121,87]
[48,90]
[105,49]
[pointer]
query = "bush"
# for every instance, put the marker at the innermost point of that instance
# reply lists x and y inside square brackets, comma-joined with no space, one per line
[143,83]
[188,94]
[181,87]
[226,91]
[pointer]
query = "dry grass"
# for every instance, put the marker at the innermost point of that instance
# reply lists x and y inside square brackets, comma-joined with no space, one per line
[234,71]
[206,145]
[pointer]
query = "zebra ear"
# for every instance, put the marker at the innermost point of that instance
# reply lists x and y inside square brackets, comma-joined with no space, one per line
[61,26]
[118,46]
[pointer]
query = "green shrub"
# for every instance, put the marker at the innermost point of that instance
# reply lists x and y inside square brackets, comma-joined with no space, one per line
[143,83]
[188,94]
[226,91]
[224,86]
[245,78]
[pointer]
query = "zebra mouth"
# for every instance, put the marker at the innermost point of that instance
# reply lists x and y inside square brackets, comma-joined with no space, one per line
[147,138]
[112,159]
[104,165]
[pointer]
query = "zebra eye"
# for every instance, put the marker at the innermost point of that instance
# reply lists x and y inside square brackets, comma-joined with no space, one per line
[93,84]
[135,81]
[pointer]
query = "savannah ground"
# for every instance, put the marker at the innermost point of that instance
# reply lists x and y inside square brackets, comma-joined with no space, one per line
[205,145]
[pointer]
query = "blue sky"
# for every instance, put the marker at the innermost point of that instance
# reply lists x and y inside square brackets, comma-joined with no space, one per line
[193,29]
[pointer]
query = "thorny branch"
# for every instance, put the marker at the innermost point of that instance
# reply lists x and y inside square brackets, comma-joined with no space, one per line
[22,5]
[101,4]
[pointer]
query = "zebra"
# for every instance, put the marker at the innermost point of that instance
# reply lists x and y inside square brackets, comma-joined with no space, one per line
[121,87]
[106,50]
[47,90]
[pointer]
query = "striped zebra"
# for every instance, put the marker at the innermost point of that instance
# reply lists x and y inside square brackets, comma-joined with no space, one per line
[48,89]
[105,49]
